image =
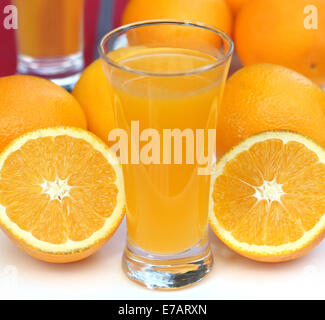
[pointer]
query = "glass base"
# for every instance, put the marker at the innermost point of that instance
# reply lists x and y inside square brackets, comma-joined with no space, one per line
[167,271]
[64,71]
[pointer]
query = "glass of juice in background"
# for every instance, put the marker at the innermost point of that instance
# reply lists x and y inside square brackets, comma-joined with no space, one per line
[50,39]
[166,75]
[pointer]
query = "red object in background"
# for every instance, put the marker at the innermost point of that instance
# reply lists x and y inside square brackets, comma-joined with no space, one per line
[7,37]
[91,22]
[118,11]
[7,46]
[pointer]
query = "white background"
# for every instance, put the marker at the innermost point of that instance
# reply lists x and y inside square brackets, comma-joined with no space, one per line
[101,276]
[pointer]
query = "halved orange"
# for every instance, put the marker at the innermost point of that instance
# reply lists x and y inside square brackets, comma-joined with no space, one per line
[268,196]
[61,193]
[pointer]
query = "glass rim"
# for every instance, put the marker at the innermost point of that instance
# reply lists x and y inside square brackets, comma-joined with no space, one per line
[219,61]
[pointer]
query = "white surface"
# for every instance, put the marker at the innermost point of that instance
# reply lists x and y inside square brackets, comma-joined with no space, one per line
[101,276]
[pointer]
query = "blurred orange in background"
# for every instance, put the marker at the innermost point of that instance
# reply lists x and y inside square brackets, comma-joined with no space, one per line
[274,31]
[214,12]
[92,93]
[236,5]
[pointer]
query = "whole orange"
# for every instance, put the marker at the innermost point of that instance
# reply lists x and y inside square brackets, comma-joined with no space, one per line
[28,103]
[277,31]
[93,95]
[212,12]
[269,97]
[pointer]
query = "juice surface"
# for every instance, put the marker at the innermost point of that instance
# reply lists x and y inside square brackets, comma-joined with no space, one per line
[49,28]
[167,203]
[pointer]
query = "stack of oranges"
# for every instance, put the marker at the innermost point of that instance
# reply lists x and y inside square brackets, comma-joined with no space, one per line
[267,195]
[289,33]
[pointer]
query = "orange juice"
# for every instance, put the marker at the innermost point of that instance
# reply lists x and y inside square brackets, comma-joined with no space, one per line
[167,204]
[49,28]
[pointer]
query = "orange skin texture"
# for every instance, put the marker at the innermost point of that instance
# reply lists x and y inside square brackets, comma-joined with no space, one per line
[92,92]
[268,97]
[272,31]
[212,12]
[28,103]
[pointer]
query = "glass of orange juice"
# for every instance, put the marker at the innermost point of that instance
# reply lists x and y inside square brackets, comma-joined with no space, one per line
[50,39]
[166,79]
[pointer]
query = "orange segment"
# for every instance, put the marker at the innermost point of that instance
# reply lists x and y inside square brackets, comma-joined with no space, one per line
[61,192]
[268,198]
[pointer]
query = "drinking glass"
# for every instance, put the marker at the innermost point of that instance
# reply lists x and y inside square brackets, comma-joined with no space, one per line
[166,79]
[50,39]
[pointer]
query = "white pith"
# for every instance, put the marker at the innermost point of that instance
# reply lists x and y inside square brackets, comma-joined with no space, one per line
[57,189]
[273,191]
[70,246]
[269,191]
